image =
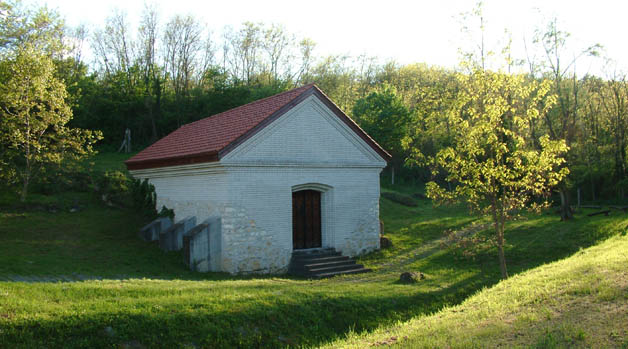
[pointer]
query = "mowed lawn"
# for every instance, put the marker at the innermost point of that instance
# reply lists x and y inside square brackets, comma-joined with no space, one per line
[142,296]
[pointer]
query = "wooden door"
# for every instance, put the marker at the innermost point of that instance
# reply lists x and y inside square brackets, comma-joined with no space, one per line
[306,219]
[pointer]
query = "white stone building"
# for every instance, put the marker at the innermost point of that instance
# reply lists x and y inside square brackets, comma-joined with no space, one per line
[287,172]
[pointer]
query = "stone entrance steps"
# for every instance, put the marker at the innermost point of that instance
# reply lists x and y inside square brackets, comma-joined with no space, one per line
[317,264]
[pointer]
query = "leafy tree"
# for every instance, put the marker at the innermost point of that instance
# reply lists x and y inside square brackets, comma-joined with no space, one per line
[384,117]
[492,162]
[34,114]
[563,122]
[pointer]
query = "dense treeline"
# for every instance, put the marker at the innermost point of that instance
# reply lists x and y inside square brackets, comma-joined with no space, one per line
[170,71]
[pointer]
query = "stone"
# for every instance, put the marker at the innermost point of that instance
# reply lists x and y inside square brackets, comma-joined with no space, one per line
[172,238]
[134,344]
[384,242]
[109,331]
[410,277]
[151,231]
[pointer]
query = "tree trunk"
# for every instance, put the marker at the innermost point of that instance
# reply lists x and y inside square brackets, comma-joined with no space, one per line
[565,209]
[498,222]
[502,257]
[24,188]
[392,168]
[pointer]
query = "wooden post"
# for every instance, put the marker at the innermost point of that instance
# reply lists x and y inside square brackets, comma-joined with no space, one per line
[578,197]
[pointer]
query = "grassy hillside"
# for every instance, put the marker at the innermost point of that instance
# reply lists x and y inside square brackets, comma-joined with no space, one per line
[99,285]
[581,301]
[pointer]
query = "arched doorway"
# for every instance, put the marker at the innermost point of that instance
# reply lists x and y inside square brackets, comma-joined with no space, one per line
[306,219]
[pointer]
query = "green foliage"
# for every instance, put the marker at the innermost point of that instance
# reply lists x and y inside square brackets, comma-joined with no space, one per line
[40,27]
[492,164]
[116,189]
[166,212]
[34,116]
[144,198]
[383,115]
[113,187]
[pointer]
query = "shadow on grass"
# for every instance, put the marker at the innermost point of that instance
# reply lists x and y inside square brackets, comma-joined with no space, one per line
[300,318]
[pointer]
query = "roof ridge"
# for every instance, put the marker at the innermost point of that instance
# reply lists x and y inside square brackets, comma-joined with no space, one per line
[304,87]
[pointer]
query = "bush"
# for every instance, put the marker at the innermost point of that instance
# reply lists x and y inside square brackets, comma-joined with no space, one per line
[400,199]
[113,188]
[56,179]
[116,189]
[144,198]
[166,212]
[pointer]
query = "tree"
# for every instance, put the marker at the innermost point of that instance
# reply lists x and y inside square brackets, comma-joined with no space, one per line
[492,162]
[613,97]
[562,124]
[182,45]
[383,115]
[147,41]
[34,114]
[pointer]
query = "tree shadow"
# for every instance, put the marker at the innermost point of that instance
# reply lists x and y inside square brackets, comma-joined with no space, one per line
[310,319]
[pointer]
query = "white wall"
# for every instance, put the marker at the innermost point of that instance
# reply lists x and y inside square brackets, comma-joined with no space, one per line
[262,197]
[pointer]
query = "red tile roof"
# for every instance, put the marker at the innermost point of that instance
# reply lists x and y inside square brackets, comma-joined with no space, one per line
[208,139]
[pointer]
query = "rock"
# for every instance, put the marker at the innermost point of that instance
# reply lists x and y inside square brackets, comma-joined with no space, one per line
[109,331]
[132,345]
[384,242]
[286,340]
[410,277]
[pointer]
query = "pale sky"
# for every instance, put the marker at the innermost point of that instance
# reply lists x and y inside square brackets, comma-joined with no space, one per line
[406,31]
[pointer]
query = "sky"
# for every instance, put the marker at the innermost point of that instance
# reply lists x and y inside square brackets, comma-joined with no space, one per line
[405,31]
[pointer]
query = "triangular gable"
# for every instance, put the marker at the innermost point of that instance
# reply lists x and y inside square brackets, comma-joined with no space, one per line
[308,134]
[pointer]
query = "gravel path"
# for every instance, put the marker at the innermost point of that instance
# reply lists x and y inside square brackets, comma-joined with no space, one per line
[55,278]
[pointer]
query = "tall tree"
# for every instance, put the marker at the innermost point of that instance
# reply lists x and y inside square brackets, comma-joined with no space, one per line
[148,34]
[613,98]
[183,43]
[384,117]
[491,163]
[34,114]
[562,124]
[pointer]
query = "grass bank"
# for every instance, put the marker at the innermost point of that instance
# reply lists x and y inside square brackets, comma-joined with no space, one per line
[580,301]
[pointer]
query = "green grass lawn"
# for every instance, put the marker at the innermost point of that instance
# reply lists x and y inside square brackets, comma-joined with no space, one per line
[147,296]
[580,301]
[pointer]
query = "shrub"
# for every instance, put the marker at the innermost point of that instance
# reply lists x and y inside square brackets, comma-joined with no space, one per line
[113,188]
[116,189]
[400,199]
[144,198]
[166,212]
